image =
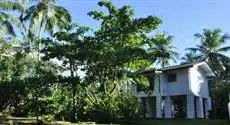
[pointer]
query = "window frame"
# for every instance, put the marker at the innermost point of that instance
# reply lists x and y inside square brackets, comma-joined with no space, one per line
[173,78]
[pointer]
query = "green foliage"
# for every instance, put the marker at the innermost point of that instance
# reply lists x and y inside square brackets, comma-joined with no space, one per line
[211,50]
[68,47]
[161,50]
[110,108]
[40,64]
[189,58]
[7,20]
[117,53]
[118,46]
[219,89]
[128,106]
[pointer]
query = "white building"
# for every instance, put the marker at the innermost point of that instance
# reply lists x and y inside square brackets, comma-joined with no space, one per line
[177,91]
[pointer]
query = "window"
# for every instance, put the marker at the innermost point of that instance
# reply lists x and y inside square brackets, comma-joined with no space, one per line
[140,87]
[151,83]
[172,77]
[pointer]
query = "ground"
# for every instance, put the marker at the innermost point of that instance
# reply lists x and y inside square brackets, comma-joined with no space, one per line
[183,122]
[29,121]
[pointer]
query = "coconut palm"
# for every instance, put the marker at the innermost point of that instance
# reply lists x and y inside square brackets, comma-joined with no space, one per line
[35,18]
[5,25]
[162,50]
[189,58]
[45,15]
[7,20]
[211,48]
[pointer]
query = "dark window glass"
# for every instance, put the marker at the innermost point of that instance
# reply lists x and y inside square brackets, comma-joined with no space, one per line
[140,87]
[151,83]
[172,77]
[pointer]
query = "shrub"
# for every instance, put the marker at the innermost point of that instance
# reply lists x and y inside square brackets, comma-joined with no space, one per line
[128,106]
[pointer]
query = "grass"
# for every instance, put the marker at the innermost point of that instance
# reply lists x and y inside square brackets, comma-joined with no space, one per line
[32,121]
[179,122]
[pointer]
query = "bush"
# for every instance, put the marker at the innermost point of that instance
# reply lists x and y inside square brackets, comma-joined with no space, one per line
[123,105]
[128,106]
[220,104]
[99,116]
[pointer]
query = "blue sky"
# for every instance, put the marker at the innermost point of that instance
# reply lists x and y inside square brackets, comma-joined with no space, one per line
[181,18]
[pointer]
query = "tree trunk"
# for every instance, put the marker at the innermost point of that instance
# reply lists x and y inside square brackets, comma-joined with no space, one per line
[213,109]
[37,107]
[73,93]
[74,102]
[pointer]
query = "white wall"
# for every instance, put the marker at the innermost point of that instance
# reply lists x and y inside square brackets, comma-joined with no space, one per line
[189,81]
[181,86]
[199,82]
[164,82]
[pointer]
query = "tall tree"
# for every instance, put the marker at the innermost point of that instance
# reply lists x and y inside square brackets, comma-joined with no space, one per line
[161,49]
[33,19]
[117,53]
[8,20]
[68,47]
[43,16]
[211,48]
[119,43]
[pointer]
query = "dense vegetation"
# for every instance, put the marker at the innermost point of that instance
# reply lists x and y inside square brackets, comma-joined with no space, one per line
[56,69]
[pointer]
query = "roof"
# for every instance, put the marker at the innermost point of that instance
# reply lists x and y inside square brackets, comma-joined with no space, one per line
[176,67]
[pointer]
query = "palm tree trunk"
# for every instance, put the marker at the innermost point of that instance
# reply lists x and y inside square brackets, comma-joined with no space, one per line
[42,29]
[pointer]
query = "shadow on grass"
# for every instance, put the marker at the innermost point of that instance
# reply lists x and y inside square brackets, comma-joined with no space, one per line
[174,122]
[32,121]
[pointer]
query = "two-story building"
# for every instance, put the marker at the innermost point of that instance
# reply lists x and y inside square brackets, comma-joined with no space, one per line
[179,91]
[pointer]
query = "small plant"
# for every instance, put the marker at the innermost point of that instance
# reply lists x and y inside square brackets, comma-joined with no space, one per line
[11,122]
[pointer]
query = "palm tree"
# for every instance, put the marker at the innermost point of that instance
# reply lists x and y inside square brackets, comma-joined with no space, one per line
[7,20]
[162,50]
[10,44]
[35,18]
[32,19]
[210,48]
[45,15]
[189,58]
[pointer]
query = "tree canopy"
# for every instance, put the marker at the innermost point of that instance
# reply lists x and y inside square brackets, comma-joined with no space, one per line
[56,69]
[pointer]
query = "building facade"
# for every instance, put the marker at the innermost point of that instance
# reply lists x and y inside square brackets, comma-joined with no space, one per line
[177,92]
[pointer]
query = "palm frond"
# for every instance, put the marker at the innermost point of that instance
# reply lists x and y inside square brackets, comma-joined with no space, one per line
[224,38]
[197,58]
[34,23]
[202,49]
[172,47]
[29,12]
[3,16]
[174,59]
[174,54]
[193,49]
[50,24]
[10,5]
[8,27]
[224,49]
[222,57]
[63,13]
[198,35]
[217,31]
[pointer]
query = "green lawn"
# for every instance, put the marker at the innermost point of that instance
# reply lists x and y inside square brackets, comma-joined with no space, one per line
[181,122]
[32,121]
